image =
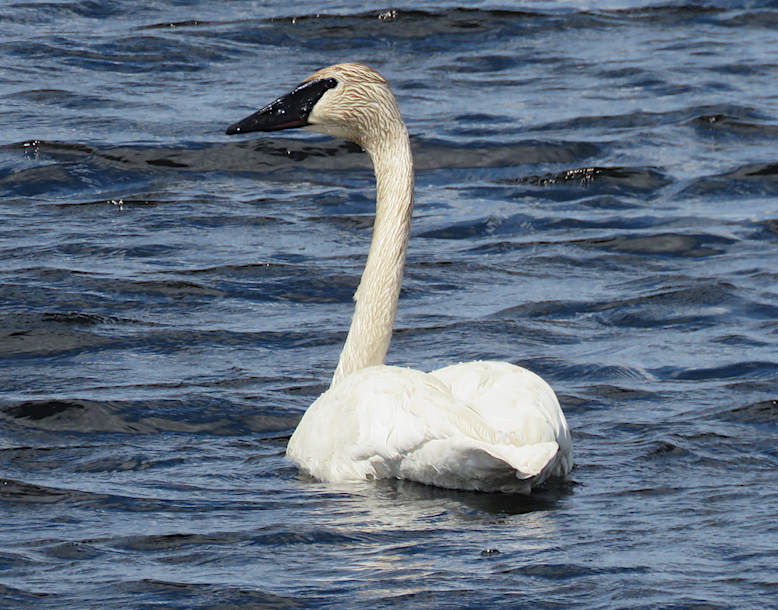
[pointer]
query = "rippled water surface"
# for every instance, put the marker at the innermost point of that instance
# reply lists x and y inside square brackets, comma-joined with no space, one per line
[596,201]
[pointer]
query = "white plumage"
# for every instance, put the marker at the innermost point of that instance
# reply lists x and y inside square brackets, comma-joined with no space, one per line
[489,426]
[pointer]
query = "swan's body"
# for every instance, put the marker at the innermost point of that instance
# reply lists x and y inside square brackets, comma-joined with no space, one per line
[489,426]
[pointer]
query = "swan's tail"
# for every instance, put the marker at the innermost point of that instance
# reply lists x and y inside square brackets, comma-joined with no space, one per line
[469,464]
[528,461]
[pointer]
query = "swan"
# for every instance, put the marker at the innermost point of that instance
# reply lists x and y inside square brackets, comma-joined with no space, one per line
[486,426]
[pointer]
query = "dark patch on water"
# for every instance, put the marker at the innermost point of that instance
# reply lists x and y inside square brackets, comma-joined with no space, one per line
[751,180]
[668,244]
[760,413]
[641,180]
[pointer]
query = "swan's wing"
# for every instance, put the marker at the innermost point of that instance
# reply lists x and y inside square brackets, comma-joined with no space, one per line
[400,410]
[372,420]
[367,422]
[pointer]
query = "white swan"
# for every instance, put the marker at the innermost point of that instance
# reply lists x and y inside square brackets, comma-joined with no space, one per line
[489,426]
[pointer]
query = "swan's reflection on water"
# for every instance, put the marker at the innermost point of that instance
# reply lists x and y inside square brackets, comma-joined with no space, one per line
[544,499]
[399,538]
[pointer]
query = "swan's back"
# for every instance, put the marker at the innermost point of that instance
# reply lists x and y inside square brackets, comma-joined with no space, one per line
[486,426]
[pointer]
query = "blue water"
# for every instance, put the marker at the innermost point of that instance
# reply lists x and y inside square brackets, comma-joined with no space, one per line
[596,201]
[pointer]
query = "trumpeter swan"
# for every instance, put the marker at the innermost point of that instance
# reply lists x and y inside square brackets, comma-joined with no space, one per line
[489,426]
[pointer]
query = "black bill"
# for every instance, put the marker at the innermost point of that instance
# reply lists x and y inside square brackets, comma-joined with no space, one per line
[286,112]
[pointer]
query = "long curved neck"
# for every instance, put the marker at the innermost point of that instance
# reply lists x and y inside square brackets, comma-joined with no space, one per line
[379,290]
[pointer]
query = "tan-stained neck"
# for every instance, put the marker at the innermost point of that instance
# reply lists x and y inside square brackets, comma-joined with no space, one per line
[379,290]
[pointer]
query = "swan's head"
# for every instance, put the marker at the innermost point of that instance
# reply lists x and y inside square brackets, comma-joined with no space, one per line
[348,101]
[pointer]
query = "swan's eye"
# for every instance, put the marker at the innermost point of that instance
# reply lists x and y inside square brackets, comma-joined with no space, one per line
[330,83]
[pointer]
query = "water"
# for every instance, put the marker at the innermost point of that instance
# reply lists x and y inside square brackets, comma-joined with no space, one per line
[596,201]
